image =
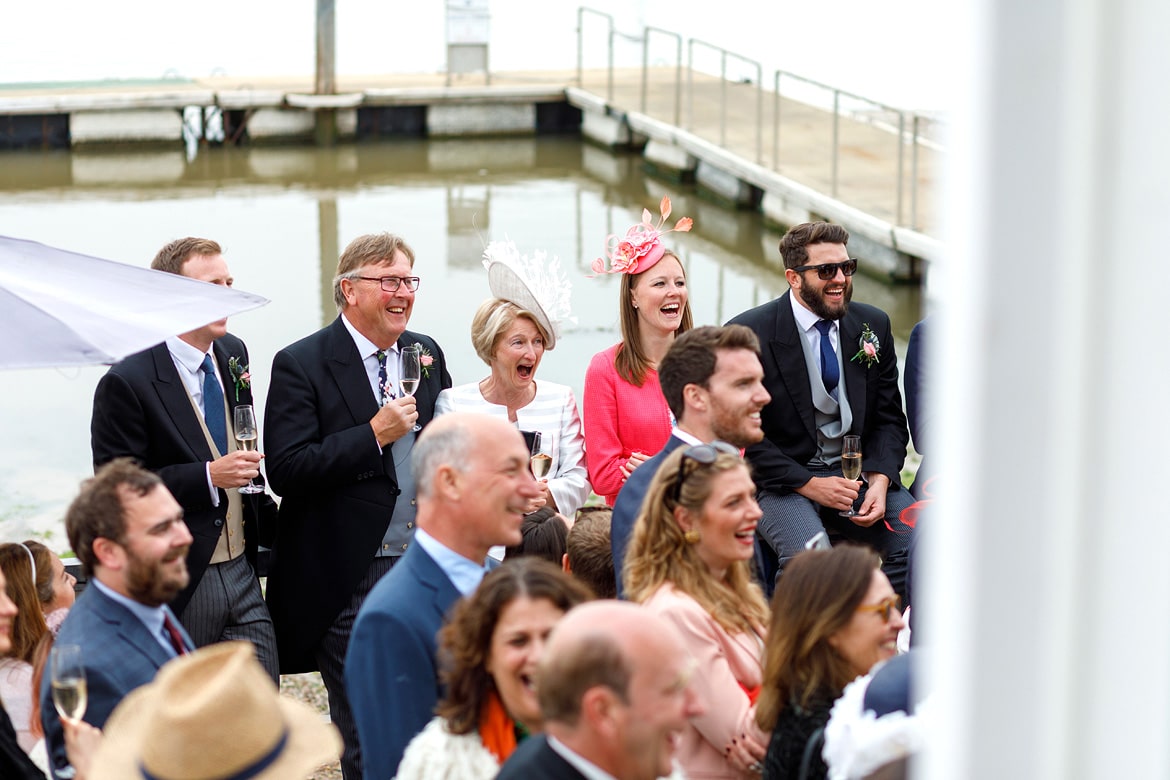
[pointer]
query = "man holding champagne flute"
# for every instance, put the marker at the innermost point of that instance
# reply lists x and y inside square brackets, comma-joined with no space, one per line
[831,370]
[183,409]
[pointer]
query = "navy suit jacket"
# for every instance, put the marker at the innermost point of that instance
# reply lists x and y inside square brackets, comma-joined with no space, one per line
[338,491]
[917,409]
[391,668]
[780,461]
[141,410]
[629,504]
[119,654]
[533,758]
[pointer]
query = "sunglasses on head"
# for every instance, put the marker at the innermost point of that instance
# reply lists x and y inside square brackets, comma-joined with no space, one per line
[829,270]
[884,607]
[704,455]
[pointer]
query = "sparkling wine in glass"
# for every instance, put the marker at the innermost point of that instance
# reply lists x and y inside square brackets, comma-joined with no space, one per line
[67,678]
[541,463]
[410,372]
[248,436]
[850,464]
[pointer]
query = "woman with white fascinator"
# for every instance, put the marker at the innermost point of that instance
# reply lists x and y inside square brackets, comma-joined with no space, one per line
[511,332]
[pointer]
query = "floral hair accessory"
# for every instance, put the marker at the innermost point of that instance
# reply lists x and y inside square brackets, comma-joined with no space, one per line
[535,284]
[642,246]
[240,375]
[869,347]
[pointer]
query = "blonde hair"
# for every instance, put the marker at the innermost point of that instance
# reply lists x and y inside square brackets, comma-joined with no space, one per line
[492,319]
[659,552]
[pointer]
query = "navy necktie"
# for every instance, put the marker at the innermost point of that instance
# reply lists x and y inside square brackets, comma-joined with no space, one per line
[384,389]
[830,372]
[213,413]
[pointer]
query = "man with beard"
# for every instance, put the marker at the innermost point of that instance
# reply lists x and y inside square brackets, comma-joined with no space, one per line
[831,370]
[128,532]
[713,383]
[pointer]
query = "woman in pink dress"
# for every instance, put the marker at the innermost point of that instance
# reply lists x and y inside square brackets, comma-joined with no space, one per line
[626,418]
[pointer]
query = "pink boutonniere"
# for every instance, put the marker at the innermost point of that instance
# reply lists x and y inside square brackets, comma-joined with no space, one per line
[241,377]
[868,347]
[425,361]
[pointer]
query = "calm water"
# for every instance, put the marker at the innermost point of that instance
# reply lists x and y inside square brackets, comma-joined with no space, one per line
[283,215]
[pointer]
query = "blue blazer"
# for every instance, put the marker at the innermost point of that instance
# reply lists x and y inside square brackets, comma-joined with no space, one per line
[391,670]
[534,758]
[119,654]
[629,504]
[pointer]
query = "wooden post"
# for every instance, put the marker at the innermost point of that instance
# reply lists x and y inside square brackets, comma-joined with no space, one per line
[325,82]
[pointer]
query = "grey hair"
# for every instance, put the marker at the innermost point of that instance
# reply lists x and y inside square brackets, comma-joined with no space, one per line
[445,446]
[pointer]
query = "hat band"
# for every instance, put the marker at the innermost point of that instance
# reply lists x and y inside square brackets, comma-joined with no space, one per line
[247,772]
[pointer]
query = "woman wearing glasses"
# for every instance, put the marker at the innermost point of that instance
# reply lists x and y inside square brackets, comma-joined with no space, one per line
[834,616]
[689,562]
[627,420]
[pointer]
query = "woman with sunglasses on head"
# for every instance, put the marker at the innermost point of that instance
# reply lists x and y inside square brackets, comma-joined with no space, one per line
[626,417]
[834,617]
[689,561]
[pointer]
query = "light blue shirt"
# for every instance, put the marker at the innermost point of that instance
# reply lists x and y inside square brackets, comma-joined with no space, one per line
[151,617]
[464,573]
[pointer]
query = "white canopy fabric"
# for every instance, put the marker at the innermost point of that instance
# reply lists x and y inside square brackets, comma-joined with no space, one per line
[60,308]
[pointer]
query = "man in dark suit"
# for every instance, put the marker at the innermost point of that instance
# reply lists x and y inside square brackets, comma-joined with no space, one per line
[474,485]
[614,688]
[712,380]
[170,408]
[831,369]
[338,436]
[128,532]
[918,413]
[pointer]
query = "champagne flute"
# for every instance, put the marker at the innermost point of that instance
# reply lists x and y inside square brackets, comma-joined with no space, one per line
[410,373]
[67,678]
[540,462]
[850,464]
[247,435]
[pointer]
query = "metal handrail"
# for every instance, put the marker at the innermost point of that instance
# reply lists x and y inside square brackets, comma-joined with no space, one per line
[723,55]
[581,11]
[678,68]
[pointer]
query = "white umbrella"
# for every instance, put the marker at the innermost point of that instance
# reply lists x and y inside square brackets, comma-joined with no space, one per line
[60,308]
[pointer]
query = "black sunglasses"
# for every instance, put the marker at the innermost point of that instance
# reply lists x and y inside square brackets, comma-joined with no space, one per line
[829,270]
[704,455]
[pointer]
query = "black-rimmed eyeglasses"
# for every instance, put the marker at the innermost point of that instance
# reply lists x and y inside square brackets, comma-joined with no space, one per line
[704,455]
[392,283]
[829,270]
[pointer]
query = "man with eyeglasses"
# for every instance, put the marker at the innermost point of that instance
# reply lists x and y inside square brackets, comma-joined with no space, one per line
[830,367]
[338,437]
[712,380]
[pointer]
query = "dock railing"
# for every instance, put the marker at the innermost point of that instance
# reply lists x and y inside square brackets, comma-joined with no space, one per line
[848,120]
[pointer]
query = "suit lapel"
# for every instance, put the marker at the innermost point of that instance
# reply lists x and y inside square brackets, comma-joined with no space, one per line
[174,398]
[345,366]
[788,353]
[132,630]
[229,383]
[856,373]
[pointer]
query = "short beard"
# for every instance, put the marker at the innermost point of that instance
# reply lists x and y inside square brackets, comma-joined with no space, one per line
[146,585]
[816,302]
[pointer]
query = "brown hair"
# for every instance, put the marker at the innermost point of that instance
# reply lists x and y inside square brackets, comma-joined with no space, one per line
[492,319]
[590,552]
[659,552]
[29,624]
[793,246]
[99,511]
[563,679]
[692,357]
[43,557]
[172,256]
[466,641]
[816,596]
[631,362]
[543,535]
[370,249]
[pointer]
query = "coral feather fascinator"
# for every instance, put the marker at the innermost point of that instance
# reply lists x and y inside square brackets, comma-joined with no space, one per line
[641,247]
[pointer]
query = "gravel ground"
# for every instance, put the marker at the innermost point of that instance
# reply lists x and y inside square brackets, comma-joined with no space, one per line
[309,689]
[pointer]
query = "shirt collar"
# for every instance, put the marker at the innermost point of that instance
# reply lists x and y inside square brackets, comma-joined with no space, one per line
[190,357]
[685,437]
[805,319]
[365,347]
[464,573]
[151,617]
[590,770]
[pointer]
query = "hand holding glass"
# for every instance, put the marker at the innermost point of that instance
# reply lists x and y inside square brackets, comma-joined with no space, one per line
[850,464]
[67,678]
[410,373]
[248,437]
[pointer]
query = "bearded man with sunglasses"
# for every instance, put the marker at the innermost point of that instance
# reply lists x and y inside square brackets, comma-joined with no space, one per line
[830,368]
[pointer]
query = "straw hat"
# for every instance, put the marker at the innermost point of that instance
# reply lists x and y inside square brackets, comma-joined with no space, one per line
[531,283]
[213,715]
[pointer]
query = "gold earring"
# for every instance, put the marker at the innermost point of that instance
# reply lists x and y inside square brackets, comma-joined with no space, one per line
[691,536]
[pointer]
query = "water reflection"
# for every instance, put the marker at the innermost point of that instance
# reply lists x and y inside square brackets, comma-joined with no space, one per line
[283,215]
